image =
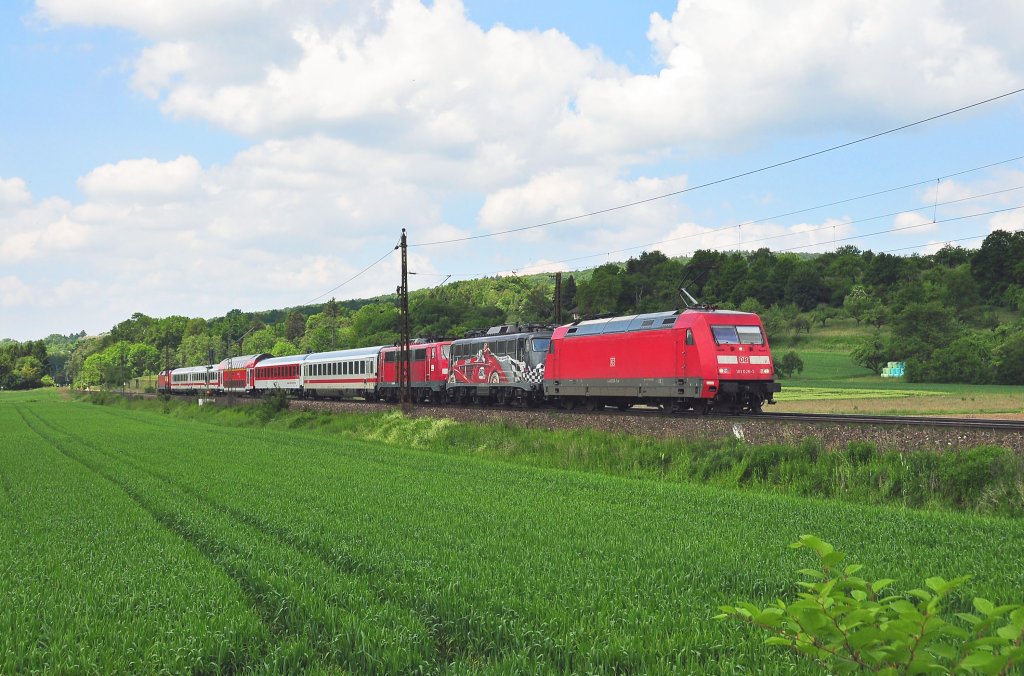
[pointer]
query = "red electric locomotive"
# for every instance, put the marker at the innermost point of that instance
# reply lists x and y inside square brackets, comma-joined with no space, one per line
[700,358]
[428,371]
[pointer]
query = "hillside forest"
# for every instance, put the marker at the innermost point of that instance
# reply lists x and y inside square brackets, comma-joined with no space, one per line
[954,316]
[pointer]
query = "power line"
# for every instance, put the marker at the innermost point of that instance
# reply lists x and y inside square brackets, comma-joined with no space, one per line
[726,179]
[946,241]
[911,227]
[788,234]
[352,278]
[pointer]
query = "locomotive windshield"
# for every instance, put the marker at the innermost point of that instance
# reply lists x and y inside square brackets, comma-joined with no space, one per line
[540,344]
[738,335]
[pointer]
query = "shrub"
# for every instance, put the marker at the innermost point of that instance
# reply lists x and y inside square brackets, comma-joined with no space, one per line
[272,403]
[848,623]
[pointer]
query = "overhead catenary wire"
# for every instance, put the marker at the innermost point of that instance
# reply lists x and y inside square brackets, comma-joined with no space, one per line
[773,237]
[352,278]
[911,227]
[725,179]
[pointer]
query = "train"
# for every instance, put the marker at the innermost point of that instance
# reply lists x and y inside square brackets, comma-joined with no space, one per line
[697,359]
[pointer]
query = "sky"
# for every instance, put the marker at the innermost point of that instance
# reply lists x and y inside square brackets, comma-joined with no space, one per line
[188,157]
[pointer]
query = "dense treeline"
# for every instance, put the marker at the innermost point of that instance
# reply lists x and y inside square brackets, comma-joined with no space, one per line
[953,316]
[24,365]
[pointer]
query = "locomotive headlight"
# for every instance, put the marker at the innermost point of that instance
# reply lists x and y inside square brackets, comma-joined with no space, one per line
[724,371]
[767,372]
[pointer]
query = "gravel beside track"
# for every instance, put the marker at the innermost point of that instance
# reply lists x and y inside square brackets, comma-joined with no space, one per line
[752,429]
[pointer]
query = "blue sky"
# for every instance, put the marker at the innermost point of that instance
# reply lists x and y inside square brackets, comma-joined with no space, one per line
[201,155]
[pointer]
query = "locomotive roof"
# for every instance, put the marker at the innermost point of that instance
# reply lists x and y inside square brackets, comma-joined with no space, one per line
[354,353]
[643,322]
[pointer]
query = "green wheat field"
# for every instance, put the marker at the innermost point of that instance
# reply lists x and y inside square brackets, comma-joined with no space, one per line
[132,541]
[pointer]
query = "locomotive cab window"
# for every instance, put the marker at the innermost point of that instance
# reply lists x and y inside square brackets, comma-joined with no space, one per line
[540,344]
[689,337]
[734,335]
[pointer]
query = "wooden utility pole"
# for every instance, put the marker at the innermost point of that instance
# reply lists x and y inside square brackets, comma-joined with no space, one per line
[558,297]
[404,371]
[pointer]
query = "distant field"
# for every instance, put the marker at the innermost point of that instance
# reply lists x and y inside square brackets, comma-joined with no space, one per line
[183,546]
[831,383]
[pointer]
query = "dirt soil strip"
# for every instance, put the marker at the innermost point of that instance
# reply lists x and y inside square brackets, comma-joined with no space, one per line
[750,429]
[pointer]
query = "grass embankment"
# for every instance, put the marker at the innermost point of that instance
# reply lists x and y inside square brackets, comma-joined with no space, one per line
[185,546]
[986,479]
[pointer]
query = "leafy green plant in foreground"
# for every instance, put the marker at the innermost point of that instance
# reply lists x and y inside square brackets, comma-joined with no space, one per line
[847,623]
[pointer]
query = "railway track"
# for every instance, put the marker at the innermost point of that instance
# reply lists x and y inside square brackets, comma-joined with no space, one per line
[916,421]
[811,418]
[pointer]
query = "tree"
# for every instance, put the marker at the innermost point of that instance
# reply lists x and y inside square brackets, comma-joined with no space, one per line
[1010,360]
[332,311]
[872,353]
[260,342]
[923,328]
[294,326]
[805,287]
[196,327]
[788,365]
[999,262]
[822,314]
[375,324]
[800,323]
[858,303]
[602,293]
[283,348]
[967,359]
[569,294]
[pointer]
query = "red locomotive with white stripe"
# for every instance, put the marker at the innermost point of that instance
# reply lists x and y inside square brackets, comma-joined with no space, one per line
[698,359]
[428,371]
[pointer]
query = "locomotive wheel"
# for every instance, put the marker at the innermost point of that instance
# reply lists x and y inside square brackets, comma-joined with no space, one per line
[623,406]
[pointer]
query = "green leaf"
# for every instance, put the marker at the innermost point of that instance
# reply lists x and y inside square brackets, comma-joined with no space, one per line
[878,585]
[778,640]
[921,594]
[969,618]
[944,650]
[852,568]
[983,606]
[832,558]
[1009,632]
[936,584]
[976,660]
[811,572]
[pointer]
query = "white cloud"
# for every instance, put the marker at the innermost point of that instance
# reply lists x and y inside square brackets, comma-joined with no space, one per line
[143,180]
[1010,221]
[912,223]
[13,192]
[13,291]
